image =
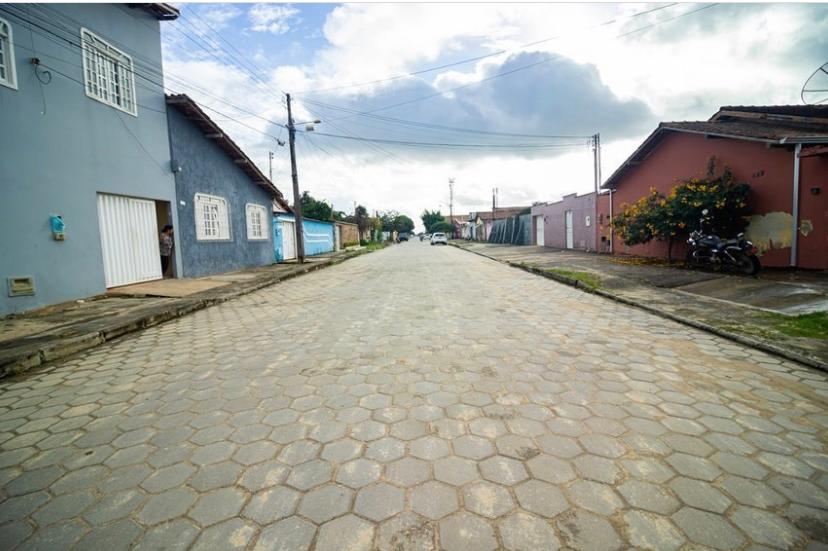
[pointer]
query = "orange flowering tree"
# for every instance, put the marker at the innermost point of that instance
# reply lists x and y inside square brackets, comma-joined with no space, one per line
[671,217]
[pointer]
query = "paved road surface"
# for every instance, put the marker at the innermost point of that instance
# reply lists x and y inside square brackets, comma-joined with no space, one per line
[415,398]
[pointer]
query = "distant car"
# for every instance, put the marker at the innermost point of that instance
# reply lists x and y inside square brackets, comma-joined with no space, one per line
[403,237]
[439,238]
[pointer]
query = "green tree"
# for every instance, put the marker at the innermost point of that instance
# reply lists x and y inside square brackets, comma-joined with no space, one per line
[442,226]
[394,221]
[672,217]
[403,224]
[430,218]
[314,208]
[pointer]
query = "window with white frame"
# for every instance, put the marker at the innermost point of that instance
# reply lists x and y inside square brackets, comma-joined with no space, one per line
[256,222]
[212,218]
[8,75]
[108,73]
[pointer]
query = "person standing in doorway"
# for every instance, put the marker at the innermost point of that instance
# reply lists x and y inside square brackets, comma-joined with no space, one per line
[165,244]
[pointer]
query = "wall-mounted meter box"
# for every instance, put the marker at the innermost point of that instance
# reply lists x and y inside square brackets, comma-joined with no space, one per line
[58,227]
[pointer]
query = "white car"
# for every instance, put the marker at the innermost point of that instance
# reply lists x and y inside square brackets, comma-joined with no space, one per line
[439,238]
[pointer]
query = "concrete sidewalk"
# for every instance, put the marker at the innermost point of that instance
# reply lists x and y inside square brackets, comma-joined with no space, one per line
[747,310]
[30,339]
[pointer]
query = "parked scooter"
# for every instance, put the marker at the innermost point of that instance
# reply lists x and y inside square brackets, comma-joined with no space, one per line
[737,254]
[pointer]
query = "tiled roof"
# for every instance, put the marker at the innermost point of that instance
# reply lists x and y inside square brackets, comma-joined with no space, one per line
[190,109]
[774,125]
[813,111]
[761,129]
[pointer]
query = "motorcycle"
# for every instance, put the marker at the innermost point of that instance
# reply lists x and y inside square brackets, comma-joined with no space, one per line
[737,253]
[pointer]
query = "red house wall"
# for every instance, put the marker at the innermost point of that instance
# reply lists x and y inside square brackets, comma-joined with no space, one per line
[769,171]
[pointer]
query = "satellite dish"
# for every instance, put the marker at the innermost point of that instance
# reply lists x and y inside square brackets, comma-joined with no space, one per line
[815,89]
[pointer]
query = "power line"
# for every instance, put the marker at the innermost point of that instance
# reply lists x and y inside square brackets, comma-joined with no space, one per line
[459,145]
[70,44]
[476,58]
[441,127]
[515,70]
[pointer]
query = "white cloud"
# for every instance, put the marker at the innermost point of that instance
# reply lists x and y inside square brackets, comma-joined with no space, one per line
[219,16]
[272,18]
[683,69]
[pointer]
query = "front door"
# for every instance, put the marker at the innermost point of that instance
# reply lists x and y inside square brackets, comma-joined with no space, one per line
[539,231]
[570,241]
[129,241]
[289,240]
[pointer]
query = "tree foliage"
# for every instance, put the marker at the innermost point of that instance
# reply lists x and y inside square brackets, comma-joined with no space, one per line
[442,226]
[430,218]
[394,221]
[667,218]
[314,208]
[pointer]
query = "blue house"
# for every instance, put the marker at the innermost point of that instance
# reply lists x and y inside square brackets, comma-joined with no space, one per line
[319,236]
[224,201]
[84,152]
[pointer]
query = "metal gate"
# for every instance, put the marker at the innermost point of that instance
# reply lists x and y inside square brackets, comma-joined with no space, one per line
[288,240]
[539,231]
[128,239]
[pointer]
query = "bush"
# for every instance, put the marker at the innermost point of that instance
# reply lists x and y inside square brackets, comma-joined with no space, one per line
[655,216]
[364,242]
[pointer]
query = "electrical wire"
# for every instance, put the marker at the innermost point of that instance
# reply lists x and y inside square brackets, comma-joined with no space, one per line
[515,70]
[150,75]
[477,58]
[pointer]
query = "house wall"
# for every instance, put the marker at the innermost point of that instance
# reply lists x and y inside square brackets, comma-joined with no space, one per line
[603,230]
[769,171]
[554,222]
[60,148]
[348,233]
[318,236]
[206,168]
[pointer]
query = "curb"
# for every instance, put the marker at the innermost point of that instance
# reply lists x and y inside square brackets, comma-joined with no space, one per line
[15,363]
[741,339]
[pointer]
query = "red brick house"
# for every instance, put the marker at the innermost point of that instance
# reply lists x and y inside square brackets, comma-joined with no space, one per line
[781,151]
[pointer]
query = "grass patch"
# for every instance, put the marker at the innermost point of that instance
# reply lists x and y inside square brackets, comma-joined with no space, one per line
[644,261]
[590,280]
[374,245]
[811,326]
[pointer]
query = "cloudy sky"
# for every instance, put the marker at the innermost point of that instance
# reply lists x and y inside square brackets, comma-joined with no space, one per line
[509,91]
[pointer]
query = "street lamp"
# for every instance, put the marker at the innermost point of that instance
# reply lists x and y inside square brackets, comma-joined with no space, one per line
[297,204]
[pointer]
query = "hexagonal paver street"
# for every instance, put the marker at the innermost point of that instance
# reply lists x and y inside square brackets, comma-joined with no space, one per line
[416,398]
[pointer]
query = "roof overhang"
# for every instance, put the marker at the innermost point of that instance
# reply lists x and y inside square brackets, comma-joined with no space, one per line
[654,139]
[162,12]
[190,109]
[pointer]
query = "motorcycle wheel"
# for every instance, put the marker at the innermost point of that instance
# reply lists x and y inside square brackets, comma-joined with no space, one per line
[690,261]
[748,264]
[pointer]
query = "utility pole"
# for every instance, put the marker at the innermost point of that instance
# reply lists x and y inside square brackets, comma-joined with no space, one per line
[451,205]
[297,202]
[270,164]
[596,167]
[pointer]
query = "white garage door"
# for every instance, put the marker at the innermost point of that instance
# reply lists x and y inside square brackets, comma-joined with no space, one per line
[539,241]
[128,239]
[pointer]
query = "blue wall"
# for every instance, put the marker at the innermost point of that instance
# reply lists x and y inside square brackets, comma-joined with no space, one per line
[59,148]
[319,236]
[205,168]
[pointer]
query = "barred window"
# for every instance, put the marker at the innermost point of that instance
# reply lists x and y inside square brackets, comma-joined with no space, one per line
[108,73]
[8,76]
[256,222]
[212,218]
